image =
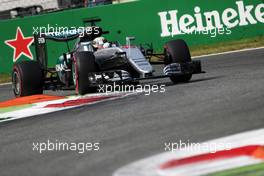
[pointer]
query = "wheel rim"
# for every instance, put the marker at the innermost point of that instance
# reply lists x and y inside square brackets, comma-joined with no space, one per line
[16,83]
[73,74]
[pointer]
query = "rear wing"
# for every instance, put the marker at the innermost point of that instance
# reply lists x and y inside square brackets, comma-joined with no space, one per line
[66,36]
[41,43]
[41,51]
[41,46]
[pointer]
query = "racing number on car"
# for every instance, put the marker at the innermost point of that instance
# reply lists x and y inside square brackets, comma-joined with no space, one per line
[41,40]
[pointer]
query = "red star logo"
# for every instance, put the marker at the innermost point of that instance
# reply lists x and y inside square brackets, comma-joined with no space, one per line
[20,45]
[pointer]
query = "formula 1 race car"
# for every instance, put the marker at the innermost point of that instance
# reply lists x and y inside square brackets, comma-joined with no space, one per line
[94,61]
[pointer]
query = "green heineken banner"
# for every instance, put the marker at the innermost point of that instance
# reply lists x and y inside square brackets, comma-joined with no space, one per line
[150,21]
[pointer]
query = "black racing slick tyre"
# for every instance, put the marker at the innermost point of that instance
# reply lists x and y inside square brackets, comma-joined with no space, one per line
[83,70]
[27,78]
[177,51]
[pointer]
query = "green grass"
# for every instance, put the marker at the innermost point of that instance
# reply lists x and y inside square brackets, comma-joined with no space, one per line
[227,46]
[253,170]
[14,108]
[4,78]
[201,50]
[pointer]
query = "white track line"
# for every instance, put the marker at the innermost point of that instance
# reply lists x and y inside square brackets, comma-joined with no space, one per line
[4,84]
[229,52]
[39,108]
[150,166]
[195,57]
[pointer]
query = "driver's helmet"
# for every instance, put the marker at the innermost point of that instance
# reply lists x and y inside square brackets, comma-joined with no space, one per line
[100,43]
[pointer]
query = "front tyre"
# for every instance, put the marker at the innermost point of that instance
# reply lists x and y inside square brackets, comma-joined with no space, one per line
[27,78]
[177,51]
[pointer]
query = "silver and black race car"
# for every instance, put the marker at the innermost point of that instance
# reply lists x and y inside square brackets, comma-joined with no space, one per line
[94,61]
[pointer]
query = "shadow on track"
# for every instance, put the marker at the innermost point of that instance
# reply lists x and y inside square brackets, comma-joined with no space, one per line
[190,82]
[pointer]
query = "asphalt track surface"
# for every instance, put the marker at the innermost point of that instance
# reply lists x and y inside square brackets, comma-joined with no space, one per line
[228,99]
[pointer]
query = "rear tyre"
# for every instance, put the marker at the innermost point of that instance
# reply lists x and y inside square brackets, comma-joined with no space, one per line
[27,78]
[83,70]
[177,51]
